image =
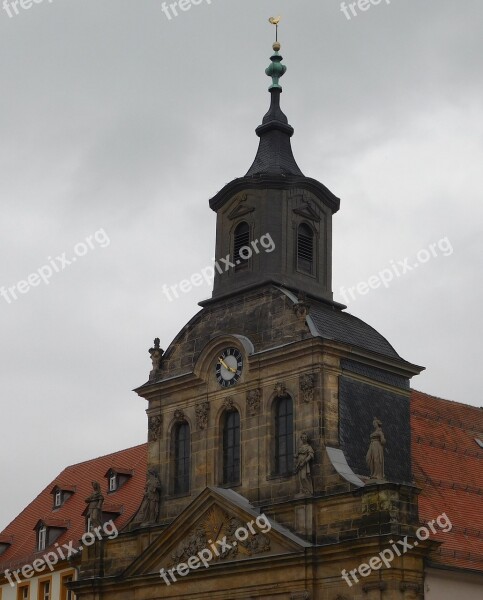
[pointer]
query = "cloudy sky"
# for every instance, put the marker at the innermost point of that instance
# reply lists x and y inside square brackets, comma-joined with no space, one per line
[117,124]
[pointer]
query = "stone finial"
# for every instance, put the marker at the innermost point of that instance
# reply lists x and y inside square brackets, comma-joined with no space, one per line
[305,455]
[375,454]
[202,411]
[301,308]
[156,354]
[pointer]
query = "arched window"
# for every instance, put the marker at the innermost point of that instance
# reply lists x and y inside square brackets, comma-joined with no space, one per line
[284,436]
[231,447]
[241,240]
[305,249]
[182,456]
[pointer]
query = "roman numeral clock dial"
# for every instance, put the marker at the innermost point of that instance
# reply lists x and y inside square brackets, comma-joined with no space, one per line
[229,367]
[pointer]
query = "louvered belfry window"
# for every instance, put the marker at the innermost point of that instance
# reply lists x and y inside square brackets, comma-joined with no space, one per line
[305,249]
[241,239]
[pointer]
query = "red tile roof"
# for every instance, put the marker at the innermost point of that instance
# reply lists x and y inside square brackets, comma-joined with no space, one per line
[448,466]
[125,499]
[63,488]
[52,522]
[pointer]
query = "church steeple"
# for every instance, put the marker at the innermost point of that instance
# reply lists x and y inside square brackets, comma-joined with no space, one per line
[274,201]
[274,154]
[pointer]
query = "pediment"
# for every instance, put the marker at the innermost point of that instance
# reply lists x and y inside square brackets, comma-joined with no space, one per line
[241,209]
[222,523]
[307,212]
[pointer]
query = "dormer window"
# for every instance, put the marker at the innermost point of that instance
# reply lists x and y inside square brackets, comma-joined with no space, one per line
[116,478]
[5,543]
[42,538]
[113,482]
[61,492]
[58,499]
[48,530]
[305,249]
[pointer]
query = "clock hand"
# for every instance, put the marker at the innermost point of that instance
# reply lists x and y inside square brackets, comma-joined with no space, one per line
[226,366]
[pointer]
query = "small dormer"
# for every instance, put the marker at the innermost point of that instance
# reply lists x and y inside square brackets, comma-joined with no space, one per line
[61,493]
[48,530]
[116,478]
[5,542]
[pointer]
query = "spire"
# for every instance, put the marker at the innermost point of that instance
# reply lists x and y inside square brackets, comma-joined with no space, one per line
[275,156]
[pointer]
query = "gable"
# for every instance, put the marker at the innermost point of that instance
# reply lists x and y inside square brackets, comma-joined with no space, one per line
[218,526]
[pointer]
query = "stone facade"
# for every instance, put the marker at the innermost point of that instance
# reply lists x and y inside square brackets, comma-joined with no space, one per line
[339,527]
[293,344]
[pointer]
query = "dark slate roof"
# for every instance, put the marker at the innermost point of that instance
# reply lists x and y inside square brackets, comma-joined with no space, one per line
[274,166]
[334,324]
[275,182]
[274,156]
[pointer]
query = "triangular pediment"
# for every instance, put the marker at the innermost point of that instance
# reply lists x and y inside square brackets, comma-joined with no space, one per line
[307,212]
[241,209]
[220,523]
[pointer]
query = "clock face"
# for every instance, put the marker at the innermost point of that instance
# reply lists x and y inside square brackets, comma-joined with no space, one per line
[229,367]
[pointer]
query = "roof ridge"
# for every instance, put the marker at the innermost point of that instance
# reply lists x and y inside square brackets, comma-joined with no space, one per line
[103,456]
[479,408]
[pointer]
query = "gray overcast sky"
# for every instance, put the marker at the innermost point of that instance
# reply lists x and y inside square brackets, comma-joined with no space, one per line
[115,118]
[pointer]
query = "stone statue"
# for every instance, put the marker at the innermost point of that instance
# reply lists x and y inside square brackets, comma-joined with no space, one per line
[304,456]
[149,511]
[375,454]
[301,308]
[156,355]
[94,506]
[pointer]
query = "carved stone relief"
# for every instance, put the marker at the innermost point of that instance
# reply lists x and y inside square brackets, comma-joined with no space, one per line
[253,401]
[307,386]
[155,424]
[202,412]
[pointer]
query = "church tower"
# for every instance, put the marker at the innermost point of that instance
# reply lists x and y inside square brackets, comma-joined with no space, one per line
[271,401]
[275,198]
